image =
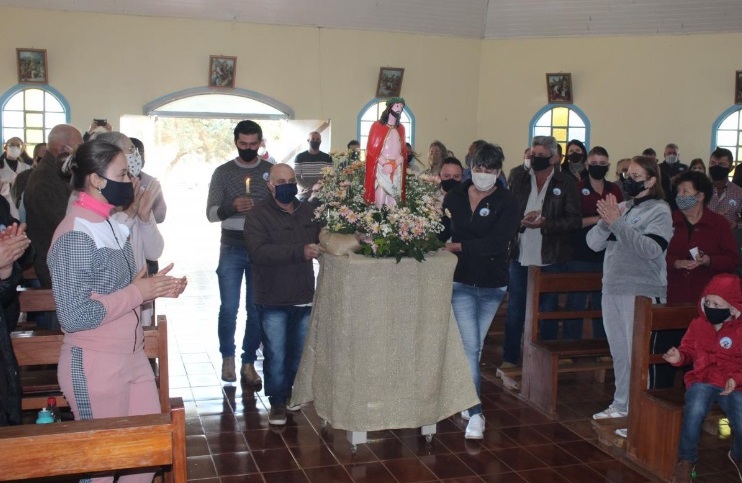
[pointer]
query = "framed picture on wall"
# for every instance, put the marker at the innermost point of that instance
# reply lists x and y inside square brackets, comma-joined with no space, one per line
[222,71]
[738,87]
[390,82]
[32,66]
[559,88]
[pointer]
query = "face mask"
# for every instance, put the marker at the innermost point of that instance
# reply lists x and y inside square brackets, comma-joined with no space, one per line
[527,163]
[247,155]
[134,160]
[13,152]
[483,181]
[117,193]
[716,316]
[540,163]
[315,144]
[685,202]
[575,157]
[285,193]
[718,172]
[672,158]
[597,171]
[633,187]
[448,184]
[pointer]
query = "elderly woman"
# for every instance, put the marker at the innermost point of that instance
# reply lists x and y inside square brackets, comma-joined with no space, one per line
[480,218]
[138,214]
[703,243]
[635,236]
[103,370]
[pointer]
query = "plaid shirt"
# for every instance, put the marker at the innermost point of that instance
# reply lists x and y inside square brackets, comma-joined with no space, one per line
[729,204]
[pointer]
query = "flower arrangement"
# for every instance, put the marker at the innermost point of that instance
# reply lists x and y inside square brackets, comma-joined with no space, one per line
[408,229]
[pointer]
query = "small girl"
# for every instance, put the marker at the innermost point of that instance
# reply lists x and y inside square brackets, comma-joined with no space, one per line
[713,343]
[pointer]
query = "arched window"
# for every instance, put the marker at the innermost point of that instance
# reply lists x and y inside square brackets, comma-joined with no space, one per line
[371,113]
[204,102]
[564,122]
[30,112]
[727,132]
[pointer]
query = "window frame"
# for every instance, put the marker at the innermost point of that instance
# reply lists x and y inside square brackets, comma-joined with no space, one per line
[151,108]
[549,107]
[47,89]
[715,128]
[378,100]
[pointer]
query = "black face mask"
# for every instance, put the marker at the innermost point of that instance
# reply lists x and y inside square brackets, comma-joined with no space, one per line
[118,193]
[315,144]
[448,184]
[597,171]
[410,158]
[716,316]
[247,155]
[540,163]
[719,173]
[633,187]
[575,157]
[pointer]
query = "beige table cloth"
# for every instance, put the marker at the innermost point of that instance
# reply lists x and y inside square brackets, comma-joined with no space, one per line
[383,349]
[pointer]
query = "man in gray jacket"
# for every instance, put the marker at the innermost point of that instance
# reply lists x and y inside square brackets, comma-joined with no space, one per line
[282,242]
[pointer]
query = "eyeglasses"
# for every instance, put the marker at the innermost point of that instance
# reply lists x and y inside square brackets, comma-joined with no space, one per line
[131,150]
[635,176]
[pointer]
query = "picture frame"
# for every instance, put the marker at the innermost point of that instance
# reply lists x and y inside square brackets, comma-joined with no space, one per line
[390,82]
[32,68]
[222,71]
[738,87]
[559,88]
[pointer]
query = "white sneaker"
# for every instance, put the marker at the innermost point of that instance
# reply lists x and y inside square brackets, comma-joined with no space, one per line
[475,428]
[623,432]
[610,413]
[465,415]
[294,408]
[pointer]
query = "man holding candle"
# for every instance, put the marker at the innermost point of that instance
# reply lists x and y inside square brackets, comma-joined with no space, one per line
[235,188]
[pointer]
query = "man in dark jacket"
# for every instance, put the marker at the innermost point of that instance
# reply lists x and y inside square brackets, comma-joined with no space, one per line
[282,242]
[549,204]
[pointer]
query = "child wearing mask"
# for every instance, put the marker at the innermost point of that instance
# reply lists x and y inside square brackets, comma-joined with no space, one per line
[713,344]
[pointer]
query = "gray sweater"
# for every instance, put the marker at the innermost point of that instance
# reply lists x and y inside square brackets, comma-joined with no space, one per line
[635,247]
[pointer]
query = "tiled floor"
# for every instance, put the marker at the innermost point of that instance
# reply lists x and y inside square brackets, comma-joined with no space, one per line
[229,439]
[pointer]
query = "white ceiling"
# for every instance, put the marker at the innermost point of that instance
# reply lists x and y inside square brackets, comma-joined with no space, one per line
[458,18]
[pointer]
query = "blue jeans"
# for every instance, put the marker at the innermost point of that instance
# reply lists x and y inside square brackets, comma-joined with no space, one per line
[572,328]
[283,329]
[234,264]
[515,321]
[474,308]
[698,400]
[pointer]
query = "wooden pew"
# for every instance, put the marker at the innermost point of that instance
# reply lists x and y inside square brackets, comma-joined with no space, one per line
[541,366]
[655,415]
[101,445]
[41,348]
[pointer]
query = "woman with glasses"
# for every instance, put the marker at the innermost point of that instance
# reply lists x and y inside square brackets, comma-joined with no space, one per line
[635,236]
[480,218]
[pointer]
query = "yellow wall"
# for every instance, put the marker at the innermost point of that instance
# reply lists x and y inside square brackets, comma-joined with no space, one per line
[637,91]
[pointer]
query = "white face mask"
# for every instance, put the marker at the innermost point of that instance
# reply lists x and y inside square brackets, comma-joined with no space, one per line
[671,158]
[527,163]
[134,160]
[13,152]
[483,181]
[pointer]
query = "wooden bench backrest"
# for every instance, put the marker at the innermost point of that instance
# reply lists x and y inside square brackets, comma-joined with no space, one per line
[101,445]
[649,317]
[36,300]
[42,347]
[540,283]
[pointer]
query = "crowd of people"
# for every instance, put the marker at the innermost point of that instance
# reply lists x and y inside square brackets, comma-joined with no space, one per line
[85,215]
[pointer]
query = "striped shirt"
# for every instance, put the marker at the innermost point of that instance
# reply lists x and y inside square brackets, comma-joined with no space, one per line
[309,168]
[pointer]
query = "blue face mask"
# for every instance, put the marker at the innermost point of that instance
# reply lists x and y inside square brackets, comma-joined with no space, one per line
[286,193]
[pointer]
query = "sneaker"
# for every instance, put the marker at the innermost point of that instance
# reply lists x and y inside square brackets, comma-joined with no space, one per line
[294,408]
[610,413]
[475,428]
[683,472]
[737,465]
[228,373]
[249,375]
[277,415]
[622,432]
[465,415]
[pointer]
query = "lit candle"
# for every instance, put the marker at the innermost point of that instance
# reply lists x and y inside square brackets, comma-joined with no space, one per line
[247,185]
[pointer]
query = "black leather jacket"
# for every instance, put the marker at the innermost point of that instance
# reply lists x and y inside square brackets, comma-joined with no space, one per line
[561,209]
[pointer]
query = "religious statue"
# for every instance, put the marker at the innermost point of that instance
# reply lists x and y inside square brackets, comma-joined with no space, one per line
[386,157]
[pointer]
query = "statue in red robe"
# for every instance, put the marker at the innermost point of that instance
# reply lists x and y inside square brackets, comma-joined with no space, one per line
[386,157]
